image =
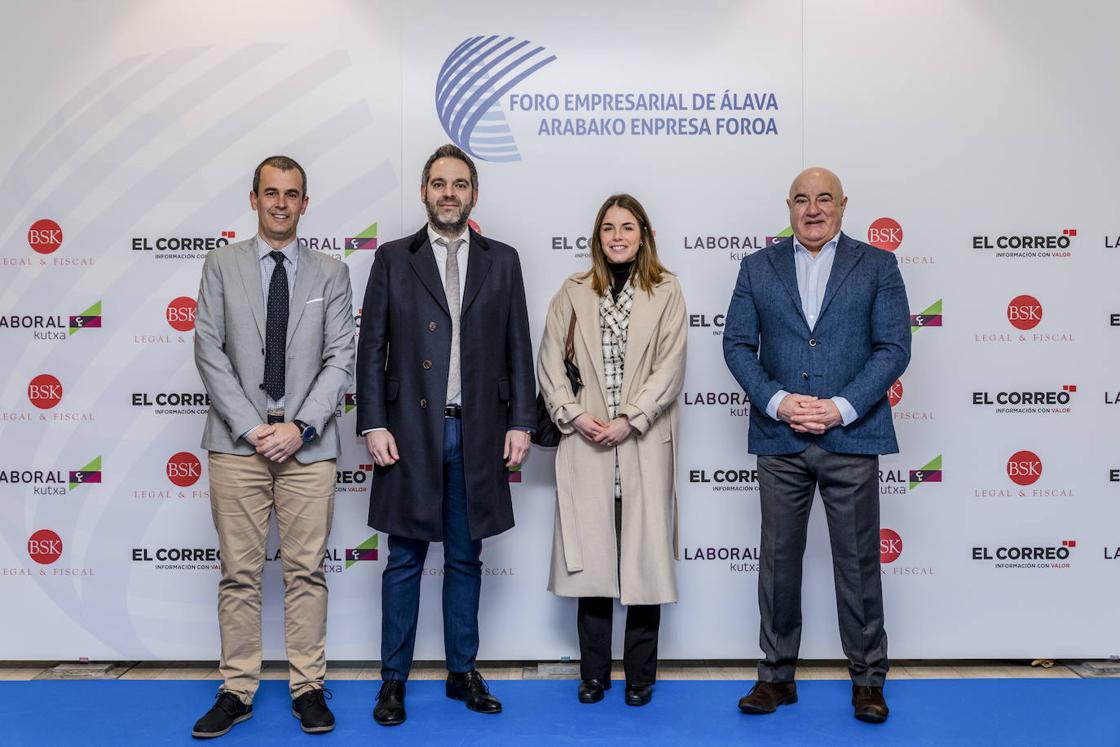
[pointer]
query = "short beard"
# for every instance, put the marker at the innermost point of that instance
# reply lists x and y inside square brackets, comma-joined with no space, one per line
[455,227]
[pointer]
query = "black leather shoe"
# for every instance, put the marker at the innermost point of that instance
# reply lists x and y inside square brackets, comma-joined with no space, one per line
[591,691]
[470,688]
[312,711]
[870,705]
[227,712]
[389,710]
[765,697]
[638,695]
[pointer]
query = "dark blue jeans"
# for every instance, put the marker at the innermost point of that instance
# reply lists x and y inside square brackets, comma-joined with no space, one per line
[462,577]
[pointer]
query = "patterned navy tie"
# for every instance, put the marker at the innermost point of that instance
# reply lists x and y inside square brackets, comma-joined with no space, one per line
[276,330]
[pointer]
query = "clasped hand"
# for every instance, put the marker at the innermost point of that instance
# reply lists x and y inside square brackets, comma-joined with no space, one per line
[604,434]
[276,442]
[807,414]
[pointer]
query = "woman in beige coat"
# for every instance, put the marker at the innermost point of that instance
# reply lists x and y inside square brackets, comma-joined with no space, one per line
[616,512]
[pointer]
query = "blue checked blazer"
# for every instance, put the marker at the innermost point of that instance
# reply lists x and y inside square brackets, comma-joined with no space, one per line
[858,348]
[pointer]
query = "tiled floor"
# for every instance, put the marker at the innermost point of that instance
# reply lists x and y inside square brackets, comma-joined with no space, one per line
[704,670]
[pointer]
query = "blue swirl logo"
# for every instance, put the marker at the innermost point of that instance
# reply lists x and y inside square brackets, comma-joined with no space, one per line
[470,87]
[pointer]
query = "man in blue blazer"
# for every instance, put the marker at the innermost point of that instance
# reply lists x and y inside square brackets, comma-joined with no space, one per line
[817,331]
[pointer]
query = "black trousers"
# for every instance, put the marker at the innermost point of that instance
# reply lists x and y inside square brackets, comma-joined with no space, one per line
[594,622]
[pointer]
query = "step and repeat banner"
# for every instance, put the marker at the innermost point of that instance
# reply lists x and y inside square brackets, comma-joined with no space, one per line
[972,145]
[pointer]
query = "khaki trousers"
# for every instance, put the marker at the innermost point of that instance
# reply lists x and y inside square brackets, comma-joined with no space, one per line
[244,492]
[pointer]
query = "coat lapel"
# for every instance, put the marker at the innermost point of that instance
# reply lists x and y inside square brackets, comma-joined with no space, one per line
[586,305]
[423,263]
[781,258]
[645,312]
[478,266]
[248,266]
[846,258]
[307,277]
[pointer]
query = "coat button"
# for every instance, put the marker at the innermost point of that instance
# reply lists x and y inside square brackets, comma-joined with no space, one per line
[426,365]
[804,375]
[812,343]
[431,326]
[423,403]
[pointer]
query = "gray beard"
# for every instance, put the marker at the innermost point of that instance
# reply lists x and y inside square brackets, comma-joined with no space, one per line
[455,227]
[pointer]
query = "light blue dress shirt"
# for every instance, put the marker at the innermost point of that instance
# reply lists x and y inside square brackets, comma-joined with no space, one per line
[812,280]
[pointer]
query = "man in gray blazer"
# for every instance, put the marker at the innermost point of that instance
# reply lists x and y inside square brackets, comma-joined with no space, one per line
[274,345]
[817,331]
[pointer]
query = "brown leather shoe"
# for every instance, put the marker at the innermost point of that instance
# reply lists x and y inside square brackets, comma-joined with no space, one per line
[870,705]
[765,697]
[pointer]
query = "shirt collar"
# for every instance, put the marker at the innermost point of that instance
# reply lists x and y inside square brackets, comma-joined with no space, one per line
[465,236]
[828,245]
[288,250]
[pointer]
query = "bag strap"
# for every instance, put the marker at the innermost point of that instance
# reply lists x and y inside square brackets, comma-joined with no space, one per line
[569,344]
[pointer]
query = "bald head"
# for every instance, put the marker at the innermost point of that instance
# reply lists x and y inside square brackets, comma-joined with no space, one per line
[816,207]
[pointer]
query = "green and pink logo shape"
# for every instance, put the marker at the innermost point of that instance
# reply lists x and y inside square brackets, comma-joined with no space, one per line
[930,317]
[929,473]
[365,241]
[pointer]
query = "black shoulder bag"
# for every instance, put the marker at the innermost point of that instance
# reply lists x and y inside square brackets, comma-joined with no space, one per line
[547,433]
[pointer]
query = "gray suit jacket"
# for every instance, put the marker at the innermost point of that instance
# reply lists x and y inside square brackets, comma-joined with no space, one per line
[229,343]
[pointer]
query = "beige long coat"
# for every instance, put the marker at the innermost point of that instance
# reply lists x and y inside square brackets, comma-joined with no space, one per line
[585,557]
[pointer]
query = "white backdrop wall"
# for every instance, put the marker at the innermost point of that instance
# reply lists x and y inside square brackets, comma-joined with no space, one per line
[954,125]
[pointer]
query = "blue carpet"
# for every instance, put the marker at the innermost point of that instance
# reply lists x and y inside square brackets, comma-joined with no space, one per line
[923,712]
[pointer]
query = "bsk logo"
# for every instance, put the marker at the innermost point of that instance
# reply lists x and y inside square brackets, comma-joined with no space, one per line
[1024,312]
[44,236]
[894,394]
[890,545]
[184,469]
[44,547]
[44,391]
[180,313]
[469,89]
[1024,468]
[885,233]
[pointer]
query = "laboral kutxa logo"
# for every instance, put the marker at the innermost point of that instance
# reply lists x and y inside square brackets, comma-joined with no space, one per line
[929,317]
[470,87]
[51,481]
[53,326]
[366,550]
[365,240]
[731,246]
[901,482]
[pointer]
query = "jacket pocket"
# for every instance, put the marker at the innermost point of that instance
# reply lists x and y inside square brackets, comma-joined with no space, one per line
[503,390]
[392,389]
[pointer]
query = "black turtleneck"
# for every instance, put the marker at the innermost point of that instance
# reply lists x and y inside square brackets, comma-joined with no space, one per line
[620,273]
